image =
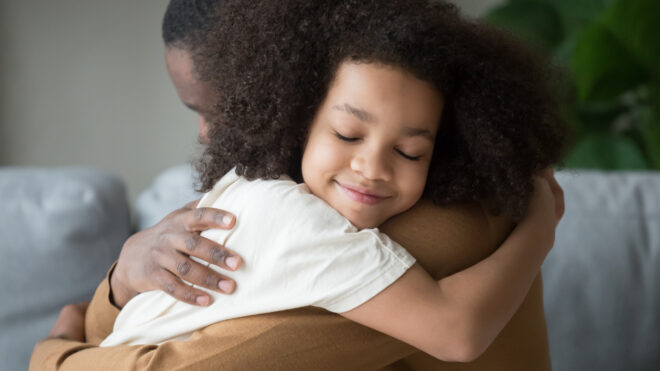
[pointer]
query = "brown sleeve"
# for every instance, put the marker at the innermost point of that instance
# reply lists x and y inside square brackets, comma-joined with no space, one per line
[300,339]
[444,240]
[101,313]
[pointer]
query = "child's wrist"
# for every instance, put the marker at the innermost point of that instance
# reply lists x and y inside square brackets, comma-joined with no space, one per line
[541,227]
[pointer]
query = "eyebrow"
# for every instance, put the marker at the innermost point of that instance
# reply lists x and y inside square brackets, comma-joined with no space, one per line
[367,117]
[357,112]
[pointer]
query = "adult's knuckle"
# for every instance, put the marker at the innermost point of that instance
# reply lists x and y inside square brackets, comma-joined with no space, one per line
[170,287]
[210,280]
[192,241]
[184,267]
[161,237]
[199,214]
[188,296]
[217,254]
[159,255]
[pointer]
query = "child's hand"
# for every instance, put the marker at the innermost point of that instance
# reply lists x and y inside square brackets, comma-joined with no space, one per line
[549,175]
[546,206]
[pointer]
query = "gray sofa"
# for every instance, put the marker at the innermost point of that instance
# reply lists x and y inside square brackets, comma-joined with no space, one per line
[62,228]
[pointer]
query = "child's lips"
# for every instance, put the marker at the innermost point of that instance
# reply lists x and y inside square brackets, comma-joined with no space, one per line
[361,195]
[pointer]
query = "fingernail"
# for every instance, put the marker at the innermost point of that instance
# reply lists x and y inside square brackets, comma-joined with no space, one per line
[226,286]
[232,262]
[202,300]
[226,220]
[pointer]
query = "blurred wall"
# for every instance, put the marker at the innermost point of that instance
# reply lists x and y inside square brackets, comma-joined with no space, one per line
[84,83]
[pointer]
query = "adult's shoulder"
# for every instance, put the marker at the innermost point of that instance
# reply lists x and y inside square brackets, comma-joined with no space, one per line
[448,238]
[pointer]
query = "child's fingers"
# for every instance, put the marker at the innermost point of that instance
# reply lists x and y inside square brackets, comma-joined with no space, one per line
[557,192]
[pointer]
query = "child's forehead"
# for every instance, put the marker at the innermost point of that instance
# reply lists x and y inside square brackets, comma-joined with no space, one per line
[373,93]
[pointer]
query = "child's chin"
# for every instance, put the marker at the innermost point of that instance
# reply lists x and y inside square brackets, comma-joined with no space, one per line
[364,224]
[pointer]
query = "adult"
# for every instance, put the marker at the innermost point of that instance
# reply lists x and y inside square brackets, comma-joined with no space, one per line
[443,239]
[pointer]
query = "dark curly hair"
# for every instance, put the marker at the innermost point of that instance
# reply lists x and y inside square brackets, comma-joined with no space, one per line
[273,61]
[186,22]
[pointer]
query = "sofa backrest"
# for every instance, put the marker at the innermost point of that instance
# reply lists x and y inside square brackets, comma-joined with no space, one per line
[602,278]
[61,230]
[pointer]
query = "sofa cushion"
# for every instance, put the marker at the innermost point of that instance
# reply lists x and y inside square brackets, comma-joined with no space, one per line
[61,229]
[602,278]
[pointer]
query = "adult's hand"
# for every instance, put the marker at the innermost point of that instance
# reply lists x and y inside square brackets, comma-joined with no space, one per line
[158,258]
[70,324]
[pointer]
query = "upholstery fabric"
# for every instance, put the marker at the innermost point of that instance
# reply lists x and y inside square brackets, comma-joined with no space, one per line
[61,229]
[602,278]
[172,189]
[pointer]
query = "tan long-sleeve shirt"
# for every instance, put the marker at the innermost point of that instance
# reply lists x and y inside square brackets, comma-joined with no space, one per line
[444,241]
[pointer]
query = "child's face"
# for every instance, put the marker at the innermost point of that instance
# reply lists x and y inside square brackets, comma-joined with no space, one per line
[370,144]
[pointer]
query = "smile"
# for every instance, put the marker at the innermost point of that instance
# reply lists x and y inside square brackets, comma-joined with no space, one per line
[361,195]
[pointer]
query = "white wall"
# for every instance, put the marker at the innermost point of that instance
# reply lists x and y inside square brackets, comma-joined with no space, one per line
[84,82]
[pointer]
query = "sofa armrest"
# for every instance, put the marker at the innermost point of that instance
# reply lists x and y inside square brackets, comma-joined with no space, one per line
[61,229]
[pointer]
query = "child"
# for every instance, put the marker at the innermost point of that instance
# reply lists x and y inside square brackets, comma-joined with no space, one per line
[375,135]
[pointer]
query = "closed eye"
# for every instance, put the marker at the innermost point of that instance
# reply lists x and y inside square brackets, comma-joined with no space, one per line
[408,157]
[346,139]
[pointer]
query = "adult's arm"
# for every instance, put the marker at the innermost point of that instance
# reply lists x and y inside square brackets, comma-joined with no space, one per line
[443,239]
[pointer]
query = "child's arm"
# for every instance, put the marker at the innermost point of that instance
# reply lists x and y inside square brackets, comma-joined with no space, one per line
[457,318]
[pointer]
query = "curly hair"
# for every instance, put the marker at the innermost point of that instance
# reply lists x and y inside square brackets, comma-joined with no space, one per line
[273,62]
[187,21]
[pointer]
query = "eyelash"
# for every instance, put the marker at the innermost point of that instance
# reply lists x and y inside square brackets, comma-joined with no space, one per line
[411,158]
[346,139]
[351,140]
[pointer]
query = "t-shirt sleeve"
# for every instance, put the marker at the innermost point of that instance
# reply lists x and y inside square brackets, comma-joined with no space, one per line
[368,263]
[315,256]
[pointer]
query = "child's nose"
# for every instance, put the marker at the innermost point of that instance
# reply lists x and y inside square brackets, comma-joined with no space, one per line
[372,165]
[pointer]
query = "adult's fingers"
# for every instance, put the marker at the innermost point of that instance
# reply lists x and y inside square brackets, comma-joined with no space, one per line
[187,269]
[203,218]
[180,290]
[195,245]
[191,204]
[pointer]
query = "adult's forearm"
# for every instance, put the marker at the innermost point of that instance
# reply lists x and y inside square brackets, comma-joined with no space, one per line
[301,339]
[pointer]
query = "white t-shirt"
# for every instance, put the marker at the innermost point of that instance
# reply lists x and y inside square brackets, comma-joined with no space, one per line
[297,251]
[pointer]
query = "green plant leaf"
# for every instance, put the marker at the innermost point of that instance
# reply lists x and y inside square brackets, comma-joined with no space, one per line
[606,152]
[602,67]
[650,129]
[634,23]
[598,116]
[535,22]
[576,14]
